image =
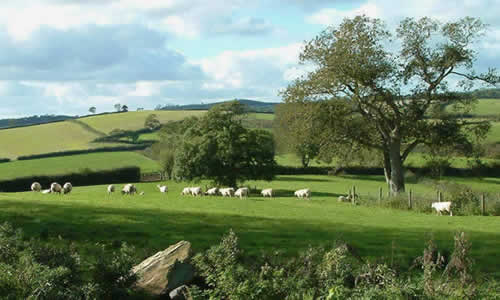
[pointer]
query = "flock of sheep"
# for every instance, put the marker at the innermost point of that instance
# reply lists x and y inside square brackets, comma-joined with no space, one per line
[54,188]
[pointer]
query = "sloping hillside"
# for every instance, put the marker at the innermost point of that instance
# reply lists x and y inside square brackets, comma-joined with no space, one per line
[253,106]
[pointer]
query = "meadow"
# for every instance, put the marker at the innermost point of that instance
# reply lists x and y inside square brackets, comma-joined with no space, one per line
[152,222]
[76,164]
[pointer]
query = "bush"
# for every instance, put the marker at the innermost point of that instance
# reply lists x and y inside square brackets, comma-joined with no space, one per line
[4,160]
[85,177]
[464,200]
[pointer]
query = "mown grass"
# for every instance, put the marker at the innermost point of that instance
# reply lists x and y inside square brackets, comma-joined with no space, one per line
[52,137]
[154,221]
[134,120]
[75,164]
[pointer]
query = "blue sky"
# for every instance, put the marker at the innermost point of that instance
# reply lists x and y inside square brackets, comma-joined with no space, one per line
[63,56]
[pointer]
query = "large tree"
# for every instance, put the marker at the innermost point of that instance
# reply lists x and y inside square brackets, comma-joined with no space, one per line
[220,148]
[379,90]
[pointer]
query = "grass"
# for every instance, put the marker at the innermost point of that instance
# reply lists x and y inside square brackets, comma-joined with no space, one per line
[487,107]
[60,136]
[76,163]
[134,120]
[154,221]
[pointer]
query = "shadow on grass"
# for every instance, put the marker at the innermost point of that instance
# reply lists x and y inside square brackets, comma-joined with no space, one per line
[303,179]
[154,230]
[364,177]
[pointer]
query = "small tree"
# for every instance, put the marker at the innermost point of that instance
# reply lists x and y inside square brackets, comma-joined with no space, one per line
[92,110]
[152,122]
[124,108]
[220,148]
[118,107]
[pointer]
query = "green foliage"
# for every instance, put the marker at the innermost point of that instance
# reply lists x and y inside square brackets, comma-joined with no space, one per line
[92,109]
[152,122]
[218,147]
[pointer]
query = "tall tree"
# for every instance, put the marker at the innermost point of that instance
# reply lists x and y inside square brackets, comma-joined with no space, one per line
[118,107]
[219,147]
[92,109]
[379,94]
[152,122]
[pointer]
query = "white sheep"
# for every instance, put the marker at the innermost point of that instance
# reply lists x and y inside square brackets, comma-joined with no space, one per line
[46,191]
[303,193]
[212,191]
[162,188]
[111,189]
[196,191]
[186,191]
[36,187]
[55,188]
[226,192]
[343,199]
[242,192]
[67,188]
[129,189]
[442,206]
[267,193]
[142,193]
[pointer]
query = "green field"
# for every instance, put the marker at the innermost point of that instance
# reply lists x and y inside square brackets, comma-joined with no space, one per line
[154,221]
[487,107]
[134,120]
[75,163]
[52,137]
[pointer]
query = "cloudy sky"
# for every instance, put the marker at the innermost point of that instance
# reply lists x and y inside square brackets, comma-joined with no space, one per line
[63,56]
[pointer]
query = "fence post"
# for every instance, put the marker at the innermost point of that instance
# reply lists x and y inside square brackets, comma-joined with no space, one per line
[353,201]
[483,205]
[410,199]
[440,196]
[379,195]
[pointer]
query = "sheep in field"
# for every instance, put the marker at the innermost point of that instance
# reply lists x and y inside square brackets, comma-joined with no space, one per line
[343,199]
[55,188]
[267,193]
[129,189]
[162,188]
[36,187]
[196,191]
[242,192]
[46,191]
[186,191]
[304,193]
[212,191]
[111,189]
[226,192]
[442,206]
[142,193]
[67,188]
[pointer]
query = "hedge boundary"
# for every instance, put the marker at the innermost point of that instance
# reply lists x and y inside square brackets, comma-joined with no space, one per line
[84,151]
[4,160]
[121,175]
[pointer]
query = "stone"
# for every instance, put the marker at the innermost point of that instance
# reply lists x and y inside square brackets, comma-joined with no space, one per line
[180,293]
[166,270]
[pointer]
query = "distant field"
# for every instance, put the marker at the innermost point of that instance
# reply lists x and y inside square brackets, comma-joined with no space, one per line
[76,163]
[134,120]
[485,107]
[261,116]
[154,221]
[494,134]
[52,137]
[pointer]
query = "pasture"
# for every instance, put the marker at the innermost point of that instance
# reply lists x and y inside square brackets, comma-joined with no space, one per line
[134,120]
[51,137]
[153,221]
[76,164]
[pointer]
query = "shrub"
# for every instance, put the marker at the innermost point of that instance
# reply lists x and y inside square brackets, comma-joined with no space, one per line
[4,160]
[464,200]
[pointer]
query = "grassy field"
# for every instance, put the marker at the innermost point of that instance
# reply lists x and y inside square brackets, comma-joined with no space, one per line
[487,107]
[134,120]
[154,221]
[76,163]
[60,136]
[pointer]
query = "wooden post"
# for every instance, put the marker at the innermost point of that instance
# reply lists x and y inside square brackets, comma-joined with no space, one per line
[440,196]
[410,199]
[353,201]
[483,205]
[379,195]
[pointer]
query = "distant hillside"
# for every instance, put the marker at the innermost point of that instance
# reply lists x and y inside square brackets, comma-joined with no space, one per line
[33,120]
[254,106]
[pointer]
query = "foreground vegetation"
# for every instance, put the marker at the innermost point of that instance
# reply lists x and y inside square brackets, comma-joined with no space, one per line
[154,221]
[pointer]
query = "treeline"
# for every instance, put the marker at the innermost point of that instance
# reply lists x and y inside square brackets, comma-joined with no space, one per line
[84,151]
[33,120]
[487,93]
[252,106]
[4,160]
[87,177]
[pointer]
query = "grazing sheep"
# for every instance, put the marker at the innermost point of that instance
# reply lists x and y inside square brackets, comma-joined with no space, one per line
[141,193]
[442,206]
[162,188]
[196,191]
[267,192]
[212,191]
[129,189]
[67,188]
[343,199]
[186,191]
[226,192]
[111,189]
[242,192]
[36,187]
[46,191]
[55,188]
[304,193]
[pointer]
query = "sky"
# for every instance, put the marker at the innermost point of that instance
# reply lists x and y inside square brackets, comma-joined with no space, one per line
[64,56]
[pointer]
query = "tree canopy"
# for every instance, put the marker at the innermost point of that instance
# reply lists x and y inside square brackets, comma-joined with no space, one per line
[382,90]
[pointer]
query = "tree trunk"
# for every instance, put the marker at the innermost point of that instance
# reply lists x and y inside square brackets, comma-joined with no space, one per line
[396,182]
[305,160]
[387,167]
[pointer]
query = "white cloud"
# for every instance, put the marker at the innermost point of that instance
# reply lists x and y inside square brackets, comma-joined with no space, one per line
[332,16]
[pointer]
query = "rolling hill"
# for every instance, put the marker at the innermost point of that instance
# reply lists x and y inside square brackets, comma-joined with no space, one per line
[253,106]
